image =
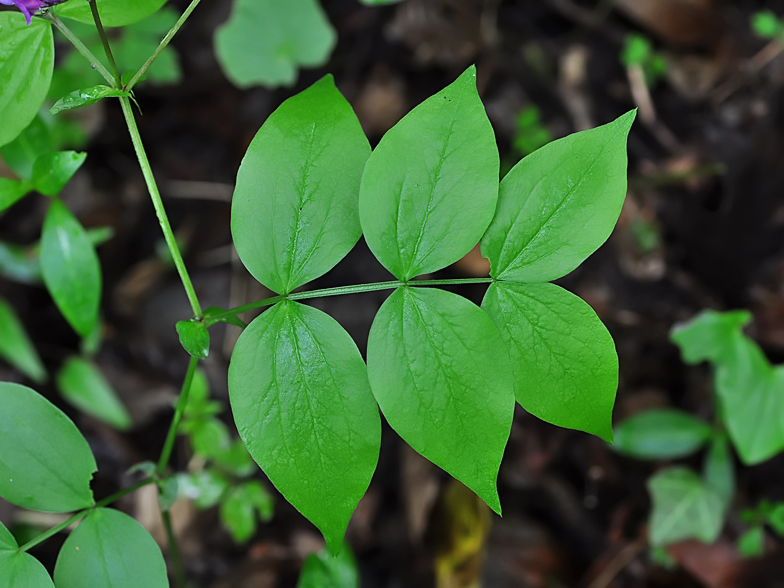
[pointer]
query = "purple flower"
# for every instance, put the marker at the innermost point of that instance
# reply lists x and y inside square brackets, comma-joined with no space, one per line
[30,7]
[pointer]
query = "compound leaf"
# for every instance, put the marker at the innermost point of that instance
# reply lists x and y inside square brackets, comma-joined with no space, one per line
[441,374]
[52,171]
[17,569]
[559,204]
[430,187]
[661,434]
[564,360]
[302,404]
[114,13]
[16,347]
[294,213]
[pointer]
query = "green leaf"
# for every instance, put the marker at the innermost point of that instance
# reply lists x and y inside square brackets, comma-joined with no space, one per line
[564,361]
[266,41]
[21,153]
[238,510]
[11,191]
[110,549]
[16,347]
[85,97]
[430,187]
[683,508]
[766,24]
[194,337]
[719,469]
[711,336]
[82,384]
[52,171]
[211,312]
[752,543]
[294,212]
[45,463]
[776,518]
[559,204]
[442,376]
[17,569]
[235,459]
[302,404]
[114,13]
[70,268]
[26,65]
[209,437]
[323,570]
[661,434]
[20,263]
[205,488]
[168,490]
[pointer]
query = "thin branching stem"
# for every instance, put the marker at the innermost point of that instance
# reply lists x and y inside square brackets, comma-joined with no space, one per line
[105,40]
[80,47]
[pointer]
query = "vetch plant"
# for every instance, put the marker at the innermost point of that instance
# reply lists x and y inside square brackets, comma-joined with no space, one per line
[444,372]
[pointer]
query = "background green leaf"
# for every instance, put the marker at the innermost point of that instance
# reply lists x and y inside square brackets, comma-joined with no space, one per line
[302,404]
[442,376]
[52,171]
[45,463]
[719,469]
[661,434]
[752,542]
[114,13]
[559,204]
[70,268]
[711,336]
[82,384]
[266,41]
[16,347]
[26,65]
[194,337]
[564,360]
[21,153]
[239,509]
[323,570]
[11,191]
[294,212]
[430,187]
[20,570]
[110,549]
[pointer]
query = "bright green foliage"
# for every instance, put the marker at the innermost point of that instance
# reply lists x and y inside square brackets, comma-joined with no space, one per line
[767,25]
[114,13]
[294,212]
[711,336]
[719,469]
[564,360]
[558,205]
[205,488]
[442,377]
[238,509]
[52,171]
[752,542]
[82,384]
[530,133]
[323,570]
[16,347]
[109,548]
[70,268]
[302,404]
[85,97]
[430,187]
[194,337]
[661,434]
[21,153]
[11,191]
[266,41]
[17,569]
[638,51]
[683,508]
[45,463]
[26,64]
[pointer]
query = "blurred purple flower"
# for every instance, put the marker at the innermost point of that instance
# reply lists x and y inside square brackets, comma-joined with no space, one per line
[30,7]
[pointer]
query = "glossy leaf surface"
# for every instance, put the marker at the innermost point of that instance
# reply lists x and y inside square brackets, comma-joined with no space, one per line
[70,268]
[114,13]
[45,463]
[194,338]
[26,65]
[430,187]
[302,404]
[82,384]
[323,570]
[564,361]
[20,570]
[52,171]
[266,41]
[16,347]
[442,376]
[109,548]
[85,97]
[294,213]
[661,434]
[559,204]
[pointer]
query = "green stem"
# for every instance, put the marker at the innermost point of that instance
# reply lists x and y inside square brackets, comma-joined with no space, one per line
[357,289]
[164,42]
[81,514]
[105,40]
[174,550]
[80,47]
[174,428]
[160,211]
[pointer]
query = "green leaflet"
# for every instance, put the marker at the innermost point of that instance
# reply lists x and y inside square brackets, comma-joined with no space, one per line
[265,41]
[194,337]
[719,469]
[11,191]
[559,204]
[302,404]
[26,65]
[661,434]
[82,384]
[441,374]
[110,549]
[322,570]
[21,153]
[52,171]
[114,13]
[70,268]
[238,510]
[683,508]
[294,212]
[20,570]
[564,360]
[430,187]
[45,463]
[16,347]
[710,336]
[85,97]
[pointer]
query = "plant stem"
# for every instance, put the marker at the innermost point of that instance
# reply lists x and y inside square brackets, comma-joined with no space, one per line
[81,514]
[157,203]
[182,402]
[164,42]
[174,550]
[105,40]
[359,288]
[80,47]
